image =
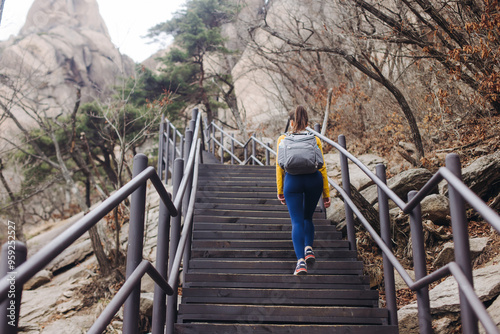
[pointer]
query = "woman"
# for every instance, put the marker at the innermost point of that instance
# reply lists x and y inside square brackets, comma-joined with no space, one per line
[301,194]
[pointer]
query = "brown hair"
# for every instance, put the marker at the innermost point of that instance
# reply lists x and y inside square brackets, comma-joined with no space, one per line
[299,118]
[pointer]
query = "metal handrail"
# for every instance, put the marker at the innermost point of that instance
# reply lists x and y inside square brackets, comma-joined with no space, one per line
[461,271]
[49,252]
[131,285]
[252,158]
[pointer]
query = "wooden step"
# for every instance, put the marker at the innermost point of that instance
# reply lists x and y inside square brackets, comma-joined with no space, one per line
[233,194]
[352,282]
[252,220]
[244,328]
[200,226]
[258,235]
[282,314]
[266,253]
[267,244]
[329,267]
[249,213]
[247,201]
[281,296]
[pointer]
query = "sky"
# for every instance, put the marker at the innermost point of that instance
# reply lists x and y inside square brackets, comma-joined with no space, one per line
[127,22]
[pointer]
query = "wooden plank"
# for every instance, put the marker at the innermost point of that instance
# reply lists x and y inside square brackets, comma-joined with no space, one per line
[249,213]
[266,253]
[197,328]
[201,226]
[287,295]
[282,314]
[204,279]
[252,220]
[259,235]
[269,244]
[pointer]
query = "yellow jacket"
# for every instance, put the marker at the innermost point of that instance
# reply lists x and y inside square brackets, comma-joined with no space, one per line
[280,173]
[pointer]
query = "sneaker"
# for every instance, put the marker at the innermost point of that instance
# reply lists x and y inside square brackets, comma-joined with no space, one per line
[301,268]
[310,258]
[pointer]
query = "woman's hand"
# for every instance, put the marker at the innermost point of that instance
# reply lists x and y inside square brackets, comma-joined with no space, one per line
[326,202]
[281,197]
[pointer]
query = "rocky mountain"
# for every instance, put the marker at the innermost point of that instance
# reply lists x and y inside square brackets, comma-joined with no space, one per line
[63,44]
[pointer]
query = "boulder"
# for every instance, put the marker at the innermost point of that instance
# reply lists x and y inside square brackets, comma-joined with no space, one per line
[401,184]
[146,304]
[444,298]
[42,277]
[494,312]
[72,255]
[398,280]
[436,208]
[358,178]
[63,44]
[447,254]
[481,176]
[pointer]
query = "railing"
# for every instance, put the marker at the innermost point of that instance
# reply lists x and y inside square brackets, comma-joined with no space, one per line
[471,307]
[172,245]
[212,141]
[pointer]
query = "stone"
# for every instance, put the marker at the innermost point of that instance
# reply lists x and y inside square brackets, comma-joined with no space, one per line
[336,211]
[63,44]
[436,208]
[401,184]
[447,254]
[358,177]
[146,304]
[72,255]
[42,277]
[481,176]
[399,282]
[78,324]
[442,325]
[72,304]
[494,312]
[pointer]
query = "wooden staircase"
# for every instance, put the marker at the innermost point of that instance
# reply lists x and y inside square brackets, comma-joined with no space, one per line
[239,277]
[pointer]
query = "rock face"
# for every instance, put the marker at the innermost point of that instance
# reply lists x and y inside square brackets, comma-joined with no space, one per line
[63,44]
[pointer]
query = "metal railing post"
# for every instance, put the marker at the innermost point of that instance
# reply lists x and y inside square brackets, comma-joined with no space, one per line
[419,264]
[181,145]
[385,233]
[187,148]
[174,147]
[221,146]
[268,155]
[321,203]
[213,139]
[175,229]
[245,152]
[253,152]
[13,255]
[194,114]
[161,152]
[167,152]
[232,149]
[135,245]
[346,185]
[162,245]
[461,241]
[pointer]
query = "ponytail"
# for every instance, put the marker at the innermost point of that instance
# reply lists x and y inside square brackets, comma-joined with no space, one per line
[299,118]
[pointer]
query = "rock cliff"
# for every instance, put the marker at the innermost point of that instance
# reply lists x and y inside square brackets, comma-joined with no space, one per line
[63,44]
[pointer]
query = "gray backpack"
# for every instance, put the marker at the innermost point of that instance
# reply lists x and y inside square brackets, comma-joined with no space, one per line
[299,154]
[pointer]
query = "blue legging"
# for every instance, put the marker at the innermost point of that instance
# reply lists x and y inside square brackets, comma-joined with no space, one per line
[302,193]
